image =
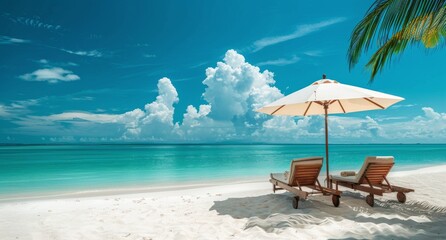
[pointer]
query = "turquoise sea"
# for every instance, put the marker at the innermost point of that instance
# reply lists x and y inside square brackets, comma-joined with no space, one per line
[39,169]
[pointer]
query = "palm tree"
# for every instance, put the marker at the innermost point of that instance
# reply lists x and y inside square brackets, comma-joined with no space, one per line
[395,24]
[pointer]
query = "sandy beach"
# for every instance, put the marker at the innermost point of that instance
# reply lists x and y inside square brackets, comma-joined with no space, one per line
[160,120]
[246,210]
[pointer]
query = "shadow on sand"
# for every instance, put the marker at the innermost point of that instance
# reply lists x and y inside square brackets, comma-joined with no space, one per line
[353,219]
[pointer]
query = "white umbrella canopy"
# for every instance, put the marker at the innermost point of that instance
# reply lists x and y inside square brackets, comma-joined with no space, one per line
[328,96]
[340,98]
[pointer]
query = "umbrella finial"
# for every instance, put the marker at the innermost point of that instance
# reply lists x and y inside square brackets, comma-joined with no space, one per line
[324,76]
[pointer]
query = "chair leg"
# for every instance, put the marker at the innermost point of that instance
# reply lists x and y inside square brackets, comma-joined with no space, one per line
[296,202]
[401,197]
[370,199]
[335,200]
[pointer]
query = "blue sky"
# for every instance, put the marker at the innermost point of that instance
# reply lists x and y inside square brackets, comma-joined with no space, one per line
[193,71]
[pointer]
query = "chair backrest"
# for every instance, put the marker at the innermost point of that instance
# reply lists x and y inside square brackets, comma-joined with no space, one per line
[305,171]
[375,169]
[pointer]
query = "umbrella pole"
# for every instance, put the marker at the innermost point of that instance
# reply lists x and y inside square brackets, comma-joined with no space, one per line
[326,144]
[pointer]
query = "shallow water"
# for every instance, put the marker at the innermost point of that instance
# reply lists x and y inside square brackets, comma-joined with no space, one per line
[29,169]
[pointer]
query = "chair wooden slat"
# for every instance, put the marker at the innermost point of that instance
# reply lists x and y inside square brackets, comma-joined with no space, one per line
[304,173]
[373,180]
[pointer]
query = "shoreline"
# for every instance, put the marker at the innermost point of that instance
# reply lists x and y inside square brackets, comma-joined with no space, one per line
[244,210]
[167,187]
[164,187]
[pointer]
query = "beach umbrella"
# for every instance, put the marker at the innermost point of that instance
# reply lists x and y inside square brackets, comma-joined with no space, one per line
[328,96]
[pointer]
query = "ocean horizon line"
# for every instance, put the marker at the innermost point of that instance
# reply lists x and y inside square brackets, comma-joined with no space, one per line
[210,144]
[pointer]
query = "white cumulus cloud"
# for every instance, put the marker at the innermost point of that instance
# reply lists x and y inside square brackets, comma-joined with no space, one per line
[430,127]
[157,122]
[233,89]
[51,75]
[131,122]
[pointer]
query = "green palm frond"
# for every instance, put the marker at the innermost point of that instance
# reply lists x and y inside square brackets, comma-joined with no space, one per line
[395,45]
[424,29]
[431,38]
[393,25]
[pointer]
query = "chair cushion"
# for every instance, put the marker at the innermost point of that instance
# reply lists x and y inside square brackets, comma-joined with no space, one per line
[368,160]
[348,173]
[351,179]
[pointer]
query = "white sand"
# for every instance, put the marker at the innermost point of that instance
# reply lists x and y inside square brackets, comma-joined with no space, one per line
[234,211]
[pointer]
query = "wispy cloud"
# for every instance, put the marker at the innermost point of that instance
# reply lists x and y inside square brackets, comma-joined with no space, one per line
[20,108]
[149,55]
[180,80]
[280,61]
[47,63]
[138,65]
[382,119]
[92,53]
[302,30]
[4,111]
[35,23]
[22,104]
[142,45]
[17,108]
[84,98]
[70,116]
[51,75]
[314,53]
[43,61]
[403,105]
[11,40]
[200,64]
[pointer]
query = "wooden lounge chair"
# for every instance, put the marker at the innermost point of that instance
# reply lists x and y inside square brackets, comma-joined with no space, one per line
[303,173]
[372,178]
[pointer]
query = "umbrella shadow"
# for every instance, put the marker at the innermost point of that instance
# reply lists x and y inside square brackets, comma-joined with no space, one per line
[387,220]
